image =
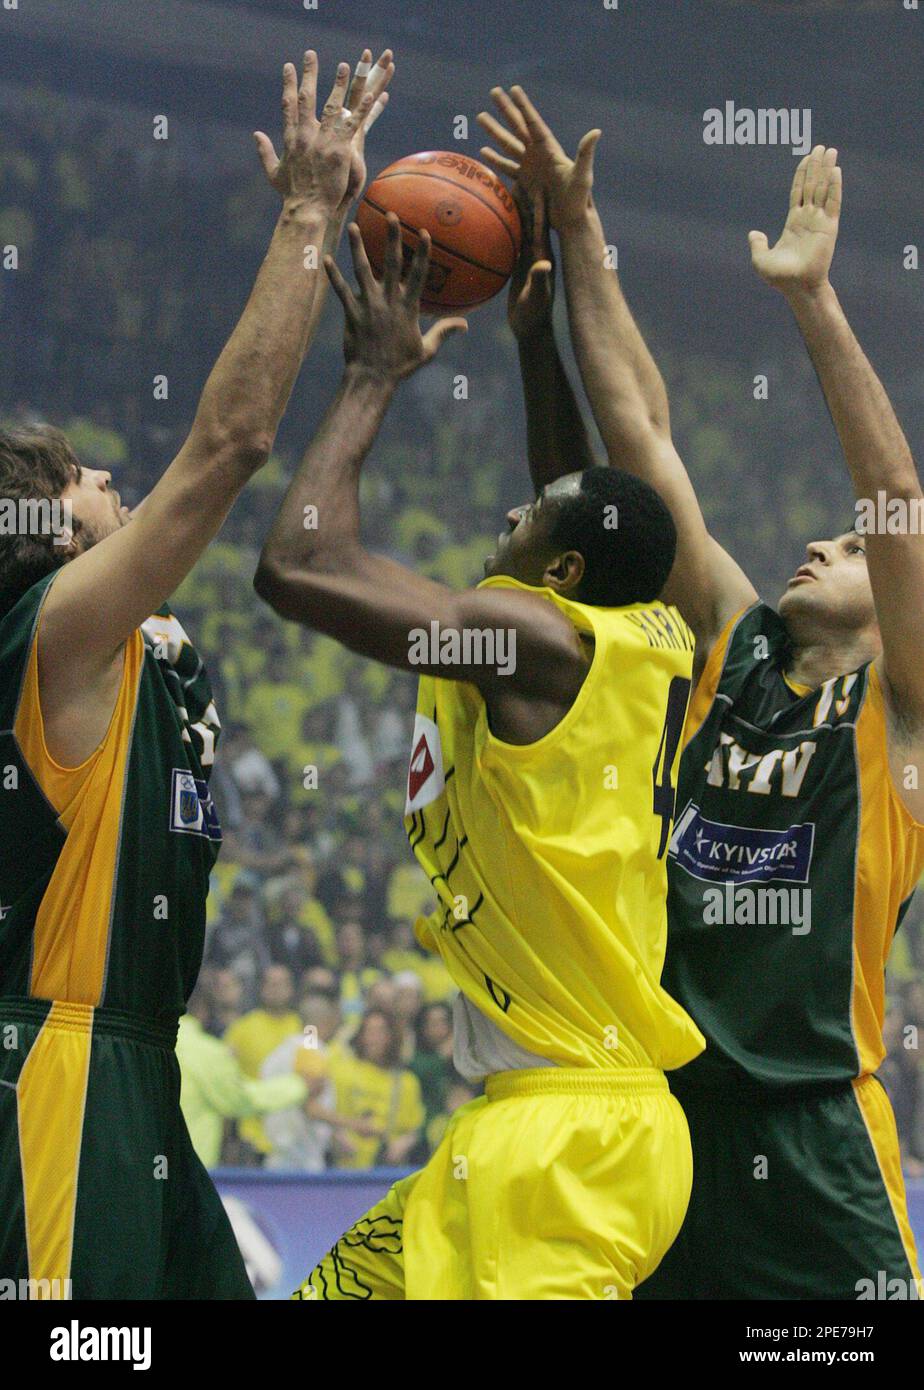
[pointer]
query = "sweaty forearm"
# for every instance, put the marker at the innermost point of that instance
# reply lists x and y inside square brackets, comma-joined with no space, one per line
[556,435]
[249,386]
[328,477]
[874,445]
[622,381]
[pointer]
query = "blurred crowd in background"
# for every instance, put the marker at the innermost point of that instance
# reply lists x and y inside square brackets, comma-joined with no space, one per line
[131,267]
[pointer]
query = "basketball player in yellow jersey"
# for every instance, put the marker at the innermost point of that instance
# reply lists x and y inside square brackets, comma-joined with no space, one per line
[539,802]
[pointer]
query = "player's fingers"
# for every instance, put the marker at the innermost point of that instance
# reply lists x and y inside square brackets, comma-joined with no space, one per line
[437,334]
[584,159]
[357,118]
[417,271]
[364,276]
[538,272]
[289,103]
[542,244]
[835,192]
[829,159]
[382,73]
[341,288]
[358,85]
[497,132]
[538,130]
[376,97]
[334,104]
[758,244]
[307,92]
[378,106]
[391,261]
[798,182]
[268,156]
[498,162]
[812,171]
[509,111]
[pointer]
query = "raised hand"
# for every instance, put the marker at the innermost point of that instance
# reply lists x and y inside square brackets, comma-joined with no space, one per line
[382,333]
[378,79]
[322,159]
[534,157]
[532,285]
[801,258]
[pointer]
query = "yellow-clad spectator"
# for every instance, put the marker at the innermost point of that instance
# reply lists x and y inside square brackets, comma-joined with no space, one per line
[374,1091]
[274,710]
[258,1033]
[214,1088]
[403,953]
[356,974]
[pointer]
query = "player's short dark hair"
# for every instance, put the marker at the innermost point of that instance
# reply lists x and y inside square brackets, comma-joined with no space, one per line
[36,463]
[624,532]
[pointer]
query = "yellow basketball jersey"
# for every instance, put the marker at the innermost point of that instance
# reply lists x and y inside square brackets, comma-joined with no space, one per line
[548,859]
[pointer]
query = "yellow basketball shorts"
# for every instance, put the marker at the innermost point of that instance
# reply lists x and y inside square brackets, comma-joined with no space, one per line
[557,1184]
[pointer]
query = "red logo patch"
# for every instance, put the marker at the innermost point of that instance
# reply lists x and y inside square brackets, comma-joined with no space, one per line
[422,765]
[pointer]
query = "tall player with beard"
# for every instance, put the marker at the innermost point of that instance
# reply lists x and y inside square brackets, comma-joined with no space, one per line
[794,779]
[107,829]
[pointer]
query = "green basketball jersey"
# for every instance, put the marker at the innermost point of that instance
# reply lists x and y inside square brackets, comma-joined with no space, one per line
[104,869]
[791,863]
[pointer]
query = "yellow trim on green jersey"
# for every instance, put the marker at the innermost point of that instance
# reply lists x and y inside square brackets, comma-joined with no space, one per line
[888,834]
[71,936]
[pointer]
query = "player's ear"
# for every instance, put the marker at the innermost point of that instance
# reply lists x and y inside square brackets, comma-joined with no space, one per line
[566,571]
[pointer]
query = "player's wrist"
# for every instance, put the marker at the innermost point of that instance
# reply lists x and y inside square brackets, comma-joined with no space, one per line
[306,212]
[804,295]
[536,334]
[573,217]
[371,378]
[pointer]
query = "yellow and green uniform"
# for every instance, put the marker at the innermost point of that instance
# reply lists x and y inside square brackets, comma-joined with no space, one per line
[103,879]
[792,862]
[570,1178]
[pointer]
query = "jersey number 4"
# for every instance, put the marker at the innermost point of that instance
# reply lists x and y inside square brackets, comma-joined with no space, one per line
[664,790]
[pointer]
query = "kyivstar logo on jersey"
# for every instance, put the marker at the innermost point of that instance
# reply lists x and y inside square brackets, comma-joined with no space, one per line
[718,853]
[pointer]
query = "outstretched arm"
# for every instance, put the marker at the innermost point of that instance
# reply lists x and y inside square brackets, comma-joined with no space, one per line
[103,594]
[314,568]
[556,436]
[876,451]
[623,384]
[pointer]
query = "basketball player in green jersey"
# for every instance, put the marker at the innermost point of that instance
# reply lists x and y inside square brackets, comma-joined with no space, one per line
[799,836]
[107,829]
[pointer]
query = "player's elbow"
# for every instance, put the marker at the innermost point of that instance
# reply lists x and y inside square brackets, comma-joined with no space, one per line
[232,444]
[273,583]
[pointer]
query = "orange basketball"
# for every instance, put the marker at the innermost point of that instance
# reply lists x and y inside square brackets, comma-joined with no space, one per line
[471,217]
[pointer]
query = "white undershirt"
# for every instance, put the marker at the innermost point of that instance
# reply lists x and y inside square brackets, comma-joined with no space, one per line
[479,1048]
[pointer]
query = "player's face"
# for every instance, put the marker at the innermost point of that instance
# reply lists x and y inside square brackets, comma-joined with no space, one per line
[831,585]
[95,504]
[524,550]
